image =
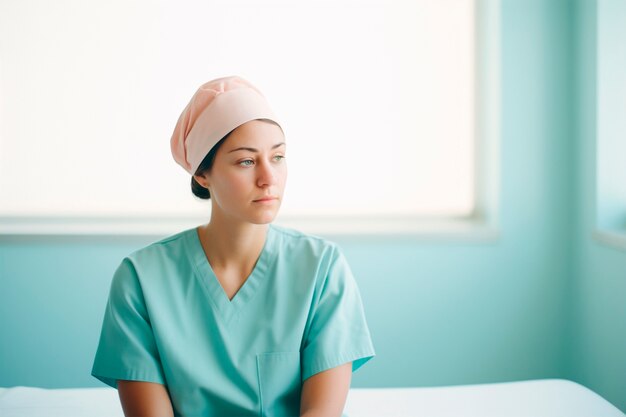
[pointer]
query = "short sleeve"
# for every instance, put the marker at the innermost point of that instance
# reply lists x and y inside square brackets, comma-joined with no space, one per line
[127,348]
[338,331]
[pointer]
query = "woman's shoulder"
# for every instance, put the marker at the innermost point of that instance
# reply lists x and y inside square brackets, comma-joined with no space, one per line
[171,246]
[295,240]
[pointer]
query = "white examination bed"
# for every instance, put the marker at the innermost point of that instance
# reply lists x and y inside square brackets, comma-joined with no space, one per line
[535,398]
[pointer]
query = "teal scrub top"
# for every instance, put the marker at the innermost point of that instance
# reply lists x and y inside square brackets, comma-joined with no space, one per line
[169,321]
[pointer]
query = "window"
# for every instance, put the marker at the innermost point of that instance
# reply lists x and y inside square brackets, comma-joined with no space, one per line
[386,127]
[611,124]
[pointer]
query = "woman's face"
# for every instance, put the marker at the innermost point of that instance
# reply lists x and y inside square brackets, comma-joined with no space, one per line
[249,167]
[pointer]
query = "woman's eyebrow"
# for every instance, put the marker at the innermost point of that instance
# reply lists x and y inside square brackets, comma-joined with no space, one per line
[243,148]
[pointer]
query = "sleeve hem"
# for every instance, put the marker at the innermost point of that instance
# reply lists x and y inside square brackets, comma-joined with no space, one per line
[111,378]
[357,359]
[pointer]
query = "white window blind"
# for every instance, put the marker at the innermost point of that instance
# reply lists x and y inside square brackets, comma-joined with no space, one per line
[377,99]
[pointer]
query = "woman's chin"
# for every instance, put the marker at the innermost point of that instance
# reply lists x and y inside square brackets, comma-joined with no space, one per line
[264,218]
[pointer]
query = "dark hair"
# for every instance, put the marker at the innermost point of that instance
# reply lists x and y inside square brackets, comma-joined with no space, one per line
[207,163]
[205,166]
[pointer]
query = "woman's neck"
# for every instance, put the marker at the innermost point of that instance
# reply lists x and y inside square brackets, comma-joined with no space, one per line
[232,246]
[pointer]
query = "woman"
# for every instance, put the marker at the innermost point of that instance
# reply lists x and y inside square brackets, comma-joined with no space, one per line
[237,317]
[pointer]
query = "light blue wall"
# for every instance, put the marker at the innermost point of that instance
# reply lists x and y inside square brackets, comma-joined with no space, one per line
[440,313]
[598,323]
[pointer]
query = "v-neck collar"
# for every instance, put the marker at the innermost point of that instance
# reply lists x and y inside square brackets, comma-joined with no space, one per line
[225,307]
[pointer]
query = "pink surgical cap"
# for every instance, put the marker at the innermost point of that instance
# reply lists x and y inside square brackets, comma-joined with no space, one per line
[218,107]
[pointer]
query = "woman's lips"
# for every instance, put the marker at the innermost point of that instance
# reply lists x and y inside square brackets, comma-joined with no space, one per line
[266,200]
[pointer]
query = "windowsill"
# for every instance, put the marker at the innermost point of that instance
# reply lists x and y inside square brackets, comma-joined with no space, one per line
[397,228]
[383,228]
[615,239]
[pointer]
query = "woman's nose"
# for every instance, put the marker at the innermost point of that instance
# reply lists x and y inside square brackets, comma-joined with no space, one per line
[266,174]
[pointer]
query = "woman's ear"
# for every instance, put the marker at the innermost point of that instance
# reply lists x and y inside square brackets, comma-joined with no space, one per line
[202,180]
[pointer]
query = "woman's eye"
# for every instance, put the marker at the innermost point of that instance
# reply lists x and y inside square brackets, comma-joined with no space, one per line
[250,162]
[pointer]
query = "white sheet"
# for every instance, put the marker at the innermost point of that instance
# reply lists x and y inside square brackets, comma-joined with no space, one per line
[536,398]
[67,402]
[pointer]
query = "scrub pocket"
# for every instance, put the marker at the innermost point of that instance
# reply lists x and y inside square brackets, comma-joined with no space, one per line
[280,383]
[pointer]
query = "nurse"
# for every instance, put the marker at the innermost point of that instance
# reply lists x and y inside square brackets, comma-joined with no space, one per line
[237,317]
